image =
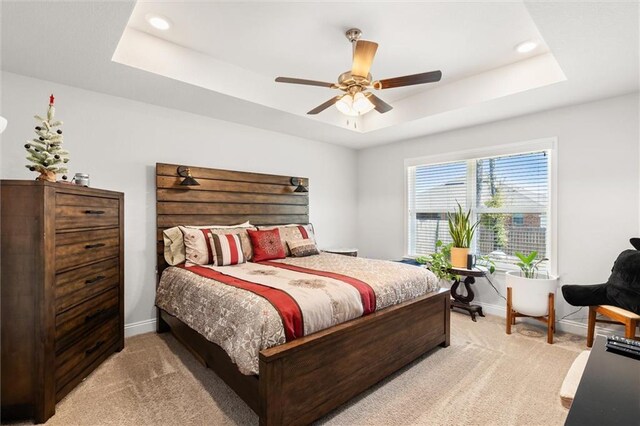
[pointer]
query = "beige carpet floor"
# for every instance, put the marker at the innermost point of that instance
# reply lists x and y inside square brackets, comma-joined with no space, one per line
[484,378]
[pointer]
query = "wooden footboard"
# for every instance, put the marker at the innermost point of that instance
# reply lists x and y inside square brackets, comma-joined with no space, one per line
[303,380]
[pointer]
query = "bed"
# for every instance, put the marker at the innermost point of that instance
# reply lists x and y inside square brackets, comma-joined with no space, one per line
[289,380]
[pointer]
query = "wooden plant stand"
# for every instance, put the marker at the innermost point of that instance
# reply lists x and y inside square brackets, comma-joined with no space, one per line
[549,320]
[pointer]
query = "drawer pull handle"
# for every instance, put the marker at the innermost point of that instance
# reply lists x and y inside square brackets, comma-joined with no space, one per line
[94,212]
[94,348]
[90,246]
[93,315]
[95,280]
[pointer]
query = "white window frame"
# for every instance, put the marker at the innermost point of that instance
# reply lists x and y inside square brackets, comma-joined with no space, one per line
[548,144]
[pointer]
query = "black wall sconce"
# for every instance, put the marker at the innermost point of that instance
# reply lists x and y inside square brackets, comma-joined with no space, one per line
[185,172]
[297,182]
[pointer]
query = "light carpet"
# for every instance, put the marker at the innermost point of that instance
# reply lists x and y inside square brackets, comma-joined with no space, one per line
[484,378]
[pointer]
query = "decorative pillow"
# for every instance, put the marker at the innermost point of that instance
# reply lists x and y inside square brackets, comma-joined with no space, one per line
[174,252]
[227,249]
[199,248]
[293,232]
[266,245]
[302,248]
[174,249]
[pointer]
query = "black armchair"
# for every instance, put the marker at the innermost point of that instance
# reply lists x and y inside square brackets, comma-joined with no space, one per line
[622,289]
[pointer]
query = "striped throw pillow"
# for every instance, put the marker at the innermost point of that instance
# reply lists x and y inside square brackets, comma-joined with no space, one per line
[227,249]
[198,244]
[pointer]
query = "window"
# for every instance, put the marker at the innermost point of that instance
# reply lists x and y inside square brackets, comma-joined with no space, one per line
[509,195]
[517,219]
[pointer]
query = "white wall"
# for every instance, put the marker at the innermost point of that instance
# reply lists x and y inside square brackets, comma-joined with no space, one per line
[118,142]
[598,185]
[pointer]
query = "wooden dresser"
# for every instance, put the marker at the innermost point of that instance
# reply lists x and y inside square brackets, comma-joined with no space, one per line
[62,289]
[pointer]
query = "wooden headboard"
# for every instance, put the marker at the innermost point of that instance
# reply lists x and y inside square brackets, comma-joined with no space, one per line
[225,197]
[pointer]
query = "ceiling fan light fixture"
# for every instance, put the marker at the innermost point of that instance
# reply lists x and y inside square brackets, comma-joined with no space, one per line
[354,105]
[361,104]
[345,105]
[357,100]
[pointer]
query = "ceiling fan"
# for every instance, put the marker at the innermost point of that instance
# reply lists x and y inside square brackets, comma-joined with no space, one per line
[357,100]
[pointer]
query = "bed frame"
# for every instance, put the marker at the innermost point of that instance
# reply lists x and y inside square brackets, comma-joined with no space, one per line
[302,380]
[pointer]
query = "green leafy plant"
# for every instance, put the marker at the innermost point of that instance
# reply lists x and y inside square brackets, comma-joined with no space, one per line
[486,262]
[528,264]
[461,228]
[439,262]
[496,222]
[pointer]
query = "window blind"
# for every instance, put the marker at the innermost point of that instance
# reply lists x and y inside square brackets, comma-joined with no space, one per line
[434,191]
[512,204]
[508,195]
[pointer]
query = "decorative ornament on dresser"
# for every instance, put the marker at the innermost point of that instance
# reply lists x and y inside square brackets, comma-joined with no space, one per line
[45,151]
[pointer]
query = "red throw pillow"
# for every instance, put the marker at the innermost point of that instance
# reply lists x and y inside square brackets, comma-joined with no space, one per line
[266,245]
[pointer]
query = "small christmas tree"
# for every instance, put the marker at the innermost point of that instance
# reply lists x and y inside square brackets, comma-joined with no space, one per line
[45,150]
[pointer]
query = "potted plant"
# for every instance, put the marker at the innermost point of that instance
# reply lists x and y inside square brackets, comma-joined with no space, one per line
[439,262]
[461,230]
[531,289]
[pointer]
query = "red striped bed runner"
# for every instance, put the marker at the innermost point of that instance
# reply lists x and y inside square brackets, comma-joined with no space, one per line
[286,305]
[367,294]
[283,302]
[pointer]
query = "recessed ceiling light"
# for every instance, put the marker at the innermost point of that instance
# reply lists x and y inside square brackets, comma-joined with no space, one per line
[526,46]
[158,22]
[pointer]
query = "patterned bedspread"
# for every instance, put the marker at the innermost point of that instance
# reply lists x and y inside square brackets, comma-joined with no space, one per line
[246,308]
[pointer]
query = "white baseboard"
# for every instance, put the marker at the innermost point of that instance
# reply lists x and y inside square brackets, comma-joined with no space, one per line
[566,325]
[139,327]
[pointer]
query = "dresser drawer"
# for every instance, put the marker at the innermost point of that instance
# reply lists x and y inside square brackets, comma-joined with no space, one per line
[78,248]
[81,211]
[77,285]
[73,360]
[81,318]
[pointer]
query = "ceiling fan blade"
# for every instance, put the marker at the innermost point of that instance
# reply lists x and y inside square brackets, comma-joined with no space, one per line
[408,80]
[324,106]
[380,105]
[305,82]
[363,55]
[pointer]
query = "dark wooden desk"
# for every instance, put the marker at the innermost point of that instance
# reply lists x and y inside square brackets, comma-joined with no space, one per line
[464,302]
[609,391]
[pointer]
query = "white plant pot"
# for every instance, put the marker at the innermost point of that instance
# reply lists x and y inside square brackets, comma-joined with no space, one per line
[530,296]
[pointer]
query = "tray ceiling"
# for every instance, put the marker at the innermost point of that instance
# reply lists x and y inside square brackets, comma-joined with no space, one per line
[219,59]
[239,48]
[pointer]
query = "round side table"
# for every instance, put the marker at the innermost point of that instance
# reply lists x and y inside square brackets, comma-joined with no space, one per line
[464,302]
